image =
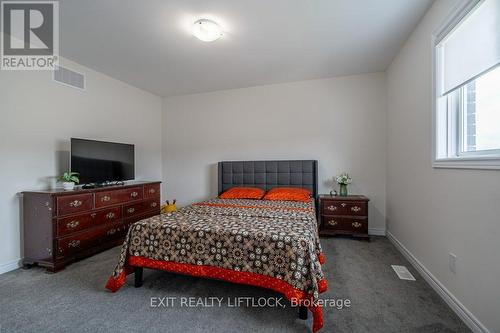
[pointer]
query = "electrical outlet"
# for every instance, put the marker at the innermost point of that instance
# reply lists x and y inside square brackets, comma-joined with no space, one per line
[452,261]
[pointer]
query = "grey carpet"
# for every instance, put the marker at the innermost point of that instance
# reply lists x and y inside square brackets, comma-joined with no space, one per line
[74,300]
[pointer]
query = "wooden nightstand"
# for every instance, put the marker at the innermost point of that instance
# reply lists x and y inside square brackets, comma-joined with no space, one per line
[343,215]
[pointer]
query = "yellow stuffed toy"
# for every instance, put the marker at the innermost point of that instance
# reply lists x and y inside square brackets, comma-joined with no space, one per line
[169,207]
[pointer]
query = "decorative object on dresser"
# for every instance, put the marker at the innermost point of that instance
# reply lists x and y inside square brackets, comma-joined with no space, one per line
[344,215]
[63,226]
[69,179]
[343,180]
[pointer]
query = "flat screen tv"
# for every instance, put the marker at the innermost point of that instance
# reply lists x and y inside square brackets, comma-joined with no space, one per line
[100,162]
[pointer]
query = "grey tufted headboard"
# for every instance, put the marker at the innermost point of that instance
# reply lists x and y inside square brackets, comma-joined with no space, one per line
[269,174]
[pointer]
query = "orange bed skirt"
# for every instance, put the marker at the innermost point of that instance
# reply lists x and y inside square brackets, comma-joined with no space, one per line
[249,278]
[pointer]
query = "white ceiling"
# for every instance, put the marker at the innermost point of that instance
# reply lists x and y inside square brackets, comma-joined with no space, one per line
[148,43]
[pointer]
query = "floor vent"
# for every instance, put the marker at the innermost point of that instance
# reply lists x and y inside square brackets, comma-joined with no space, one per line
[403,272]
[69,77]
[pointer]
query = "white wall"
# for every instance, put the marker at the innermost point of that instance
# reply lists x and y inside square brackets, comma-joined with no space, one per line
[37,119]
[341,122]
[436,211]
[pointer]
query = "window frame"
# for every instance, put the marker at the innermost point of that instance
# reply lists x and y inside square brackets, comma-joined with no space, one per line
[449,138]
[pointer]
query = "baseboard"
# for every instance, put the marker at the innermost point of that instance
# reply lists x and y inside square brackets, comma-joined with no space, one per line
[376,231]
[10,266]
[467,317]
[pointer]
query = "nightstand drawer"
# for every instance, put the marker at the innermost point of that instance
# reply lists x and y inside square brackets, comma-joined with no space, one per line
[345,224]
[339,207]
[356,225]
[331,222]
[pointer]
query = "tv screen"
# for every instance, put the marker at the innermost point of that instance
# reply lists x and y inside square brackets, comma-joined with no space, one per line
[99,161]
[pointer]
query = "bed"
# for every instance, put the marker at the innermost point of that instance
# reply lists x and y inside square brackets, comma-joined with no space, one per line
[268,244]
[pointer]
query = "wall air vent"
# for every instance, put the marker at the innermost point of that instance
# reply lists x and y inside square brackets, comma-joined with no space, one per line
[69,77]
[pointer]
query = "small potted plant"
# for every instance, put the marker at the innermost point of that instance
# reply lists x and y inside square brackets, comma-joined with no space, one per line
[69,179]
[343,180]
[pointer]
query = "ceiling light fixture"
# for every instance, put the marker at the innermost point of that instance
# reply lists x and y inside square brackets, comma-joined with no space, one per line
[207,30]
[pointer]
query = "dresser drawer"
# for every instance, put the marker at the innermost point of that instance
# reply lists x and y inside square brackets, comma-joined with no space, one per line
[70,204]
[78,242]
[71,224]
[339,207]
[114,231]
[344,224]
[151,191]
[109,198]
[86,240]
[131,220]
[141,207]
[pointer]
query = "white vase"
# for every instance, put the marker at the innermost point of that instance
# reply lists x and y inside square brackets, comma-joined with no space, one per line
[68,185]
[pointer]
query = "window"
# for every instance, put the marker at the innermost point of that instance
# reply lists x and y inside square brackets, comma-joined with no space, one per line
[467,82]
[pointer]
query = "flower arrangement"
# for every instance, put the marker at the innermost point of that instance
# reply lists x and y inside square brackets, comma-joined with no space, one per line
[343,180]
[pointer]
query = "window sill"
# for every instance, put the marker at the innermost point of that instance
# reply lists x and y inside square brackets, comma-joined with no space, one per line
[479,163]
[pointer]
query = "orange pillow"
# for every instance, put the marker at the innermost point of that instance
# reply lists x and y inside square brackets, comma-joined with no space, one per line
[288,194]
[243,193]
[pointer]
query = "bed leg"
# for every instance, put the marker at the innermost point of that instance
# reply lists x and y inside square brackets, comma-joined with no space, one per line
[302,312]
[138,276]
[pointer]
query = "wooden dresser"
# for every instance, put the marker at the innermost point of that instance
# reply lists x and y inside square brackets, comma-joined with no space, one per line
[344,215]
[63,226]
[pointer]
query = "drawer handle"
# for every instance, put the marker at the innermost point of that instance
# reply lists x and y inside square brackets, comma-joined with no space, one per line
[72,224]
[131,210]
[356,224]
[355,209]
[111,232]
[332,208]
[74,243]
[93,215]
[154,204]
[332,222]
[152,191]
[105,198]
[76,203]
[343,204]
[134,194]
[110,215]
